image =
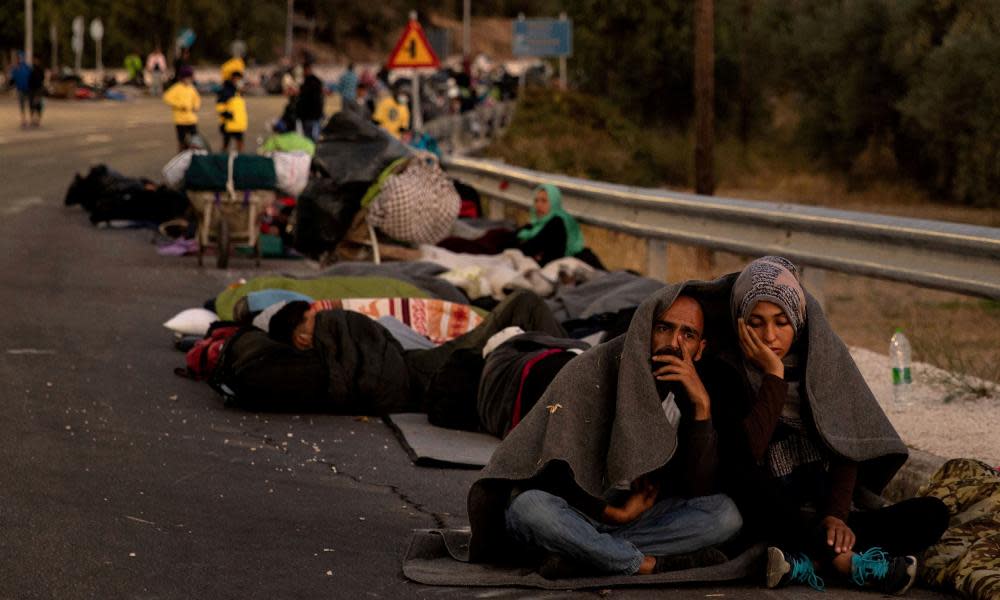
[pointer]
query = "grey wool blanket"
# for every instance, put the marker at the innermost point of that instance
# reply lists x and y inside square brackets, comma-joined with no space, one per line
[440,557]
[600,422]
[597,425]
[845,411]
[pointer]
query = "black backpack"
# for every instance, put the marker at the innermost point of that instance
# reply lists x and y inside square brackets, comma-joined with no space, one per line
[258,373]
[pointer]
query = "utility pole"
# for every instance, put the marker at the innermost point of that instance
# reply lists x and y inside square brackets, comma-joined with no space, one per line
[29,25]
[704,97]
[466,28]
[744,91]
[288,29]
[54,39]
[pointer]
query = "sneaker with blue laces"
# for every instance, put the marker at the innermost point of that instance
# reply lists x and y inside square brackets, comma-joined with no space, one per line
[783,569]
[887,574]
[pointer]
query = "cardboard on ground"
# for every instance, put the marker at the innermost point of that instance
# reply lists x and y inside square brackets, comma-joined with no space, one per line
[413,50]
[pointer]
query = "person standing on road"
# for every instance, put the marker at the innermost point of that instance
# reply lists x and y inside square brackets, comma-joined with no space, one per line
[348,84]
[233,65]
[811,433]
[183,99]
[156,64]
[392,113]
[36,91]
[21,76]
[309,109]
[232,109]
[183,59]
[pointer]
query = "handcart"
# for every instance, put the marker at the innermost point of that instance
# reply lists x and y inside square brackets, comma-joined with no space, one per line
[229,218]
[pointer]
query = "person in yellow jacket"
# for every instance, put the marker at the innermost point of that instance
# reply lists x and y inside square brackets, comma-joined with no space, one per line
[183,98]
[392,114]
[232,109]
[233,65]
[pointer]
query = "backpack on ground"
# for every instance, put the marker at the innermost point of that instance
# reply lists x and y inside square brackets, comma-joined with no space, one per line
[257,373]
[203,358]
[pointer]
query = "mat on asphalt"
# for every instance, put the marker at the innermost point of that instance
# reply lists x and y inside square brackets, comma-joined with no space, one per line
[437,557]
[436,446]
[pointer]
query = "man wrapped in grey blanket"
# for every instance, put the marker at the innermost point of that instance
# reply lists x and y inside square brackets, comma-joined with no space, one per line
[631,418]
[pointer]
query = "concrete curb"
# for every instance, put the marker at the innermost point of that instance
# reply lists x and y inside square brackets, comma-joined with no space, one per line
[915,473]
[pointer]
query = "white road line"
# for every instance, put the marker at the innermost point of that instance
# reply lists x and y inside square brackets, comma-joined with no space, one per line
[29,351]
[97,152]
[148,144]
[19,205]
[96,138]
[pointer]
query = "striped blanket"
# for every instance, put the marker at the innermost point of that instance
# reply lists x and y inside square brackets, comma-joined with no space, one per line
[438,320]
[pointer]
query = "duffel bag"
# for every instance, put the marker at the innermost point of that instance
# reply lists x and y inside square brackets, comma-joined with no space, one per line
[417,203]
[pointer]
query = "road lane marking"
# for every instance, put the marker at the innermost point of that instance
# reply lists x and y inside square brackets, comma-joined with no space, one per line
[19,205]
[96,138]
[29,351]
[96,153]
[148,144]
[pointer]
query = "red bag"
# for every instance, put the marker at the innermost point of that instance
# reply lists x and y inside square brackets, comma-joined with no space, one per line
[203,357]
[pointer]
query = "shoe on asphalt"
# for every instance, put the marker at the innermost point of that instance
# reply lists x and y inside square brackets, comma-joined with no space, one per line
[783,569]
[887,574]
[557,566]
[705,557]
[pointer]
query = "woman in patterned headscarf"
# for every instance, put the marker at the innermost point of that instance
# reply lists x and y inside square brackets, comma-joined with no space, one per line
[798,419]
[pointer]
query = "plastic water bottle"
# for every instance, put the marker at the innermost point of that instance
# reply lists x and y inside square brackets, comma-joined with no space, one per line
[899,358]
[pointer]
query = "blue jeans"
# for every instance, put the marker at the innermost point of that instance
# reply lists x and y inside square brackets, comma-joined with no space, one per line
[671,526]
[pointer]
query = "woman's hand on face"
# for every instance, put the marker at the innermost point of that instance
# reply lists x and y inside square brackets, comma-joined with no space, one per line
[757,351]
[838,535]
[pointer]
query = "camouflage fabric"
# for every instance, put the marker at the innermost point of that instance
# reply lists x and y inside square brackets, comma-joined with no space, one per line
[967,558]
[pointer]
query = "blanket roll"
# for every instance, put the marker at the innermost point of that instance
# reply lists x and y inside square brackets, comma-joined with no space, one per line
[211,172]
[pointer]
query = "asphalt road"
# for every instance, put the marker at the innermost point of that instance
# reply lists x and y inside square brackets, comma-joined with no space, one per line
[121,480]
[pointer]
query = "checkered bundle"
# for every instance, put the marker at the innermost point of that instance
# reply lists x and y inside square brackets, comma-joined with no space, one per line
[417,204]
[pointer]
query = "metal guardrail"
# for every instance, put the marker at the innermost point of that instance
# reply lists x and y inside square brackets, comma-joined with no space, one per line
[470,131]
[947,256]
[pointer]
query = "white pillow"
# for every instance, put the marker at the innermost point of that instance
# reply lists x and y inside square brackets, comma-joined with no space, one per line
[193,321]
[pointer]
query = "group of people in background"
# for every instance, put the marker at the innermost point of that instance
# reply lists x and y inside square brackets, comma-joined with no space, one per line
[387,103]
[185,101]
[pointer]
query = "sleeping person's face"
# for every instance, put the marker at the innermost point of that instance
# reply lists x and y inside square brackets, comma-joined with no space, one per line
[772,326]
[302,336]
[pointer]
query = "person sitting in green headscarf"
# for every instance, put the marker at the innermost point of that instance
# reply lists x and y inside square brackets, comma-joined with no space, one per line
[552,233]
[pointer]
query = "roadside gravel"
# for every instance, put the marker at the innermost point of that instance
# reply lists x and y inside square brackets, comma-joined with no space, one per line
[942,417]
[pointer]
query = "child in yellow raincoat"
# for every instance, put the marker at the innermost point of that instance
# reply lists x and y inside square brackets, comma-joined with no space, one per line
[183,98]
[232,109]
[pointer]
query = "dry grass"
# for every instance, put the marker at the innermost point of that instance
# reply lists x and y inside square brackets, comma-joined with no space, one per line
[488,35]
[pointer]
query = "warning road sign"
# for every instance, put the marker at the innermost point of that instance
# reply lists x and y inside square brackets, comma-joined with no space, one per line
[413,49]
